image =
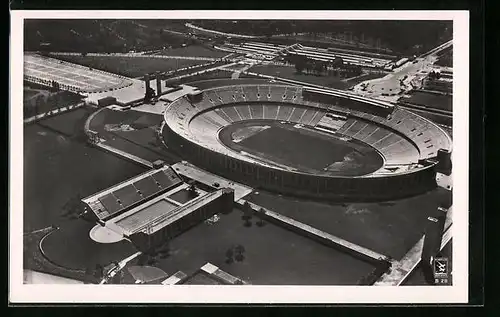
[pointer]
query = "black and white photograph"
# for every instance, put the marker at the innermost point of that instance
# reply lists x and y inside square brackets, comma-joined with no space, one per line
[286,157]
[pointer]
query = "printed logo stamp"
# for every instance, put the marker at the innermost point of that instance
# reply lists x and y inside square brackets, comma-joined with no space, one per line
[441,270]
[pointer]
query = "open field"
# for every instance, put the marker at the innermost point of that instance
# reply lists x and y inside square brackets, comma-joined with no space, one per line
[218,82]
[131,66]
[272,255]
[193,50]
[208,75]
[390,228]
[430,100]
[289,72]
[44,101]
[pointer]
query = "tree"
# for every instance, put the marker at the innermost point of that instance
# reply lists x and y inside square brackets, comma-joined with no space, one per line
[239,249]
[260,222]
[247,214]
[318,67]
[247,211]
[164,251]
[73,208]
[99,271]
[229,256]
[39,101]
[239,257]
[299,67]
[338,62]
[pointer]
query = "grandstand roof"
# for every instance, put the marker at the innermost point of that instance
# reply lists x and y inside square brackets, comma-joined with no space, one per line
[114,200]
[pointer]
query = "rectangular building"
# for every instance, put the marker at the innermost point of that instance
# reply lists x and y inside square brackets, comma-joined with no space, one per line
[155,206]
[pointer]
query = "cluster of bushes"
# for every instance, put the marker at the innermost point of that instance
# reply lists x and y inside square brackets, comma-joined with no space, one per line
[42,103]
[336,67]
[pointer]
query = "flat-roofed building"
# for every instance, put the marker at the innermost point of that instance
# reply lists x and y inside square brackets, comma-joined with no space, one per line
[155,206]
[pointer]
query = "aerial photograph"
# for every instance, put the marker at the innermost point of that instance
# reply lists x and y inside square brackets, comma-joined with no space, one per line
[237,152]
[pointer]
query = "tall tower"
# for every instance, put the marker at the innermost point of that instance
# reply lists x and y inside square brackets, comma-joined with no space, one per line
[158,84]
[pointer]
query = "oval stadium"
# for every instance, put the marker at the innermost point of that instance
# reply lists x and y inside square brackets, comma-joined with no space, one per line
[306,141]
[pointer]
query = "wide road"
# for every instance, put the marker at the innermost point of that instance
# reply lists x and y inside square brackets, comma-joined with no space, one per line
[400,80]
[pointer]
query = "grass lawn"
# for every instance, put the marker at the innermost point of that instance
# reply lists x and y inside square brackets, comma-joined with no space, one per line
[288,72]
[272,255]
[46,101]
[193,50]
[430,100]
[391,227]
[131,66]
[59,166]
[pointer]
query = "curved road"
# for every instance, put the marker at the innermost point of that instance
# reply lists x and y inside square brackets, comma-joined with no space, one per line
[402,78]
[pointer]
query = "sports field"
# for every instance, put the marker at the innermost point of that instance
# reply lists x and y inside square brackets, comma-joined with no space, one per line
[60,245]
[131,66]
[70,74]
[289,72]
[305,150]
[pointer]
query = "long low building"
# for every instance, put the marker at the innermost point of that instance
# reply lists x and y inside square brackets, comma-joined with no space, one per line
[270,51]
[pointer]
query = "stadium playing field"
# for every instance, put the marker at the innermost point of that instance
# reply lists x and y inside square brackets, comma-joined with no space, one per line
[303,149]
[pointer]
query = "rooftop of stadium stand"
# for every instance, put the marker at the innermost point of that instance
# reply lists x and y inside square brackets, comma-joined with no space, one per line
[114,200]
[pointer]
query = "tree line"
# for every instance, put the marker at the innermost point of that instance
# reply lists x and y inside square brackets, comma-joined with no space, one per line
[403,37]
[335,67]
[44,102]
[107,36]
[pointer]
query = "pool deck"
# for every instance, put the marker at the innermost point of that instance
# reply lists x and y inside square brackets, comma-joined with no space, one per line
[193,172]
